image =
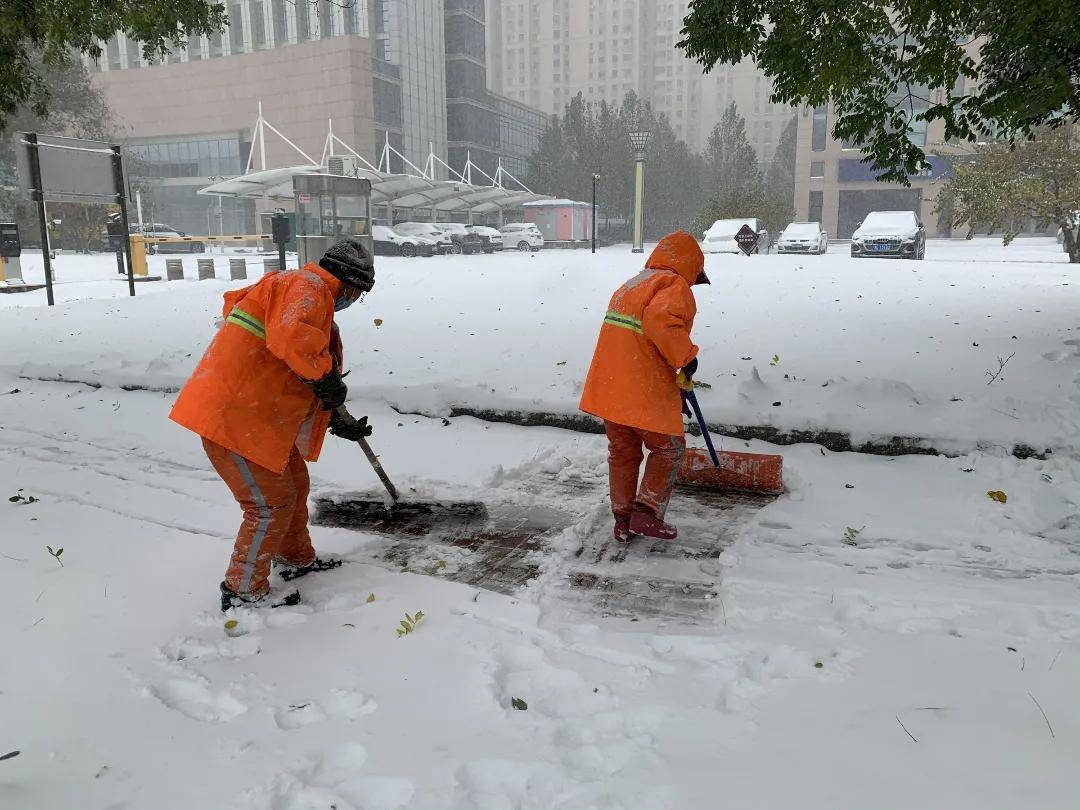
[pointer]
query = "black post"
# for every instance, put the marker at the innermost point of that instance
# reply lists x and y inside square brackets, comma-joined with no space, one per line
[38,194]
[281,256]
[121,198]
[595,177]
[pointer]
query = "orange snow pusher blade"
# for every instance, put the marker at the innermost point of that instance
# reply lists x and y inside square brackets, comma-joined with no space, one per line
[749,472]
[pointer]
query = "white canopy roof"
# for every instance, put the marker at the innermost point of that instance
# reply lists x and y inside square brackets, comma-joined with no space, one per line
[398,190]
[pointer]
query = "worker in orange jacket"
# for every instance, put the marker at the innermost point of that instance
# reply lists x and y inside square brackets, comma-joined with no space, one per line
[644,342]
[262,398]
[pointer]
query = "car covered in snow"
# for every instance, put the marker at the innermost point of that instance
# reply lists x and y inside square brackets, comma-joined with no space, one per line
[492,237]
[889,234]
[443,242]
[803,237]
[522,235]
[389,242]
[465,241]
[720,238]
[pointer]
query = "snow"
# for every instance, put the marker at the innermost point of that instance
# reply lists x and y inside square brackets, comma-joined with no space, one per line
[876,348]
[941,610]
[798,230]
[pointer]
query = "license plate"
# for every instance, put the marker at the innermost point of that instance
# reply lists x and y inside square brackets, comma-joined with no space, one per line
[882,248]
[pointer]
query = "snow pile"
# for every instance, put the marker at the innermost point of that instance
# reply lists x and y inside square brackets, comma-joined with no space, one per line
[881,598]
[876,348]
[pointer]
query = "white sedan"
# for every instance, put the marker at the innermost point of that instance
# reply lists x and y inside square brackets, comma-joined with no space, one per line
[803,237]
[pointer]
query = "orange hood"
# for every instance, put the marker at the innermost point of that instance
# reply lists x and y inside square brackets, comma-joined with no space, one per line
[680,253]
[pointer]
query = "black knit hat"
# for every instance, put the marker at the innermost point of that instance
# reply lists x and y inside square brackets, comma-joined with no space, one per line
[350,261]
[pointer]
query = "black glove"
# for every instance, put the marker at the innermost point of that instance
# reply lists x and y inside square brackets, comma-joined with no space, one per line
[690,369]
[331,391]
[352,430]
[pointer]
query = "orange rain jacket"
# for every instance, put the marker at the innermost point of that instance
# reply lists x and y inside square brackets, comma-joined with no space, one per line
[645,339]
[248,392]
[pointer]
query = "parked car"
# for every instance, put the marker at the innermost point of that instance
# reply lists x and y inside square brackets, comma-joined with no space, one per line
[896,234]
[389,242]
[493,239]
[720,238]
[465,241]
[522,235]
[150,230]
[443,242]
[803,237]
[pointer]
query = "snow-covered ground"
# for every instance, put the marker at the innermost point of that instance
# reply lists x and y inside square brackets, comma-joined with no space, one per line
[883,635]
[873,347]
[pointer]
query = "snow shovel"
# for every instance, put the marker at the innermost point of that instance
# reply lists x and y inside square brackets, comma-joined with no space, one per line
[397,517]
[751,472]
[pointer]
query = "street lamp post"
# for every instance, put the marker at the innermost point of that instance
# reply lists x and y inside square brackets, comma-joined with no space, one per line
[595,180]
[638,141]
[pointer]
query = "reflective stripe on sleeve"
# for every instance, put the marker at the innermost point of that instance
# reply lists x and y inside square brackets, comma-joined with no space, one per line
[246,321]
[625,321]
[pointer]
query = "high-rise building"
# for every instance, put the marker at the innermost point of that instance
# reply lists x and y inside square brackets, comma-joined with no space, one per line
[408,72]
[544,52]
[409,67]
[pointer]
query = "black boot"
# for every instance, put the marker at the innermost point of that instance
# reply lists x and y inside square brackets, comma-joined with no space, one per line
[289,572]
[231,599]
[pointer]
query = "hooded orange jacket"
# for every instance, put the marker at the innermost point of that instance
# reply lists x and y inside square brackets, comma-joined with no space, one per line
[248,392]
[645,339]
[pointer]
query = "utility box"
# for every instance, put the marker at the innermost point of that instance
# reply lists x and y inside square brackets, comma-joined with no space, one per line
[10,245]
[329,209]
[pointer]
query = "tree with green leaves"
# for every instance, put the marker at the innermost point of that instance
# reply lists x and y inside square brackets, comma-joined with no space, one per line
[79,109]
[42,35]
[779,199]
[593,138]
[983,67]
[1001,186]
[736,187]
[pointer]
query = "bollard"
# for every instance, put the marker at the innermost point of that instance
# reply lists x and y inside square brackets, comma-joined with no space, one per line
[206,269]
[271,265]
[174,269]
[238,269]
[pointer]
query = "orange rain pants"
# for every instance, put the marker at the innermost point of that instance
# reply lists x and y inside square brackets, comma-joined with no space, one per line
[275,517]
[624,461]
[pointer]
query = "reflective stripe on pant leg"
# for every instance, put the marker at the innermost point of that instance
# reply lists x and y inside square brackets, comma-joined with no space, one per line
[263,525]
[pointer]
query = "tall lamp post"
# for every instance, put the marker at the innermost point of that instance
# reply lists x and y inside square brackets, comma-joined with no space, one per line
[595,180]
[638,141]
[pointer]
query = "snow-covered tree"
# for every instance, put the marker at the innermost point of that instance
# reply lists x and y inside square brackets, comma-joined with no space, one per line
[1001,186]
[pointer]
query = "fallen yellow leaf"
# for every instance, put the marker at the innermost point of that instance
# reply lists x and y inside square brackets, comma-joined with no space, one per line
[997,495]
[378,322]
[371,599]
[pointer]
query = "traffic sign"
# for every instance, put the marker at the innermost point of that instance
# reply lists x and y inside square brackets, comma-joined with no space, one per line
[746,239]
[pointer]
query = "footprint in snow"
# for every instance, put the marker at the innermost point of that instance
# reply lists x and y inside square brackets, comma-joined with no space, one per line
[339,703]
[195,700]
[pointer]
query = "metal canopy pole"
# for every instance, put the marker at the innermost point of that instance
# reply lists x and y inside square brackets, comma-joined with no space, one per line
[39,196]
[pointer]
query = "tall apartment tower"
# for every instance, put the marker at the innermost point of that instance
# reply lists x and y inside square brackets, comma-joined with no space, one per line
[544,52]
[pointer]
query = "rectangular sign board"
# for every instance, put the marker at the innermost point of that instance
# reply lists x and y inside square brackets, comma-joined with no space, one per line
[854,170]
[72,169]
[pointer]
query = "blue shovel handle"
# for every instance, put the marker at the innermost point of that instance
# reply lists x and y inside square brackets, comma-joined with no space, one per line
[691,397]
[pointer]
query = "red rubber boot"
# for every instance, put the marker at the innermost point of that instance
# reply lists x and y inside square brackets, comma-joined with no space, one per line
[622,530]
[649,525]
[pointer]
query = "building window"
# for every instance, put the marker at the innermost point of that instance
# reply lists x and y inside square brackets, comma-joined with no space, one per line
[819,133]
[817,169]
[816,204]
[236,29]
